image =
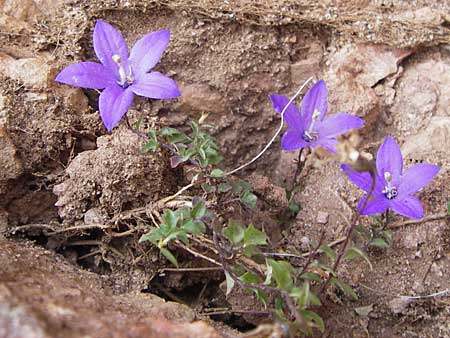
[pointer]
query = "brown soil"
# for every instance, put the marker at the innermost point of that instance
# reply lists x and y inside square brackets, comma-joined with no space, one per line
[69,186]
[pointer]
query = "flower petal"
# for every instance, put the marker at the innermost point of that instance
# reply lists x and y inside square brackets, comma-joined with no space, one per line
[338,124]
[361,180]
[148,50]
[416,177]
[376,205]
[389,159]
[86,75]
[328,144]
[113,103]
[108,41]
[314,99]
[292,140]
[291,115]
[408,206]
[156,86]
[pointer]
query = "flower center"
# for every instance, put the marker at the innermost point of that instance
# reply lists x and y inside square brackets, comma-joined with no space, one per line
[389,190]
[310,135]
[124,79]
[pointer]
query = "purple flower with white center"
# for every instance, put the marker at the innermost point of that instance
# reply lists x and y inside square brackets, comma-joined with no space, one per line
[393,189]
[309,127]
[122,75]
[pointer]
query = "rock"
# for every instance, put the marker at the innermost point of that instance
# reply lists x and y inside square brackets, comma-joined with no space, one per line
[364,311]
[430,140]
[399,305]
[354,70]
[75,98]
[43,296]
[33,72]
[322,217]
[93,216]
[12,166]
[200,98]
[30,10]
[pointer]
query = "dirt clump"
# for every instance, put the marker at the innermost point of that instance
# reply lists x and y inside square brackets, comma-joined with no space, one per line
[112,178]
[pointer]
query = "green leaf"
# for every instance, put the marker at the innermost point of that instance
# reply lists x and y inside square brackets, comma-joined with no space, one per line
[310,276]
[279,304]
[202,154]
[303,300]
[153,236]
[217,173]
[254,236]
[169,256]
[167,131]
[199,210]
[177,234]
[208,188]
[354,252]
[214,159]
[261,296]
[314,300]
[191,227]
[240,186]
[234,232]
[170,218]
[388,236]
[448,208]
[294,207]
[249,278]
[189,153]
[139,123]
[250,250]
[328,251]
[152,144]
[281,271]
[313,317]
[230,283]
[223,187]
[345,288]
[361,230]
[249,199]
[194,127]
[203,162]
[379,243]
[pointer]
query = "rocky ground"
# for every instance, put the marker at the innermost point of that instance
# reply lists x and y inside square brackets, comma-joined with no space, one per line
[65,271]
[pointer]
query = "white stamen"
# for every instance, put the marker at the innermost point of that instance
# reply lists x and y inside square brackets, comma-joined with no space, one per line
[117,60]
[123,77]
[387,176]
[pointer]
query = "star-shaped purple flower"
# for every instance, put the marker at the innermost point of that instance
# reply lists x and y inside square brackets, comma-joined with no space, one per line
[393,189]
[308,127]
[122,75]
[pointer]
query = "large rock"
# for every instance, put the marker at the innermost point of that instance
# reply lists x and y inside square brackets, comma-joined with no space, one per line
[354,71]
[42,296]
[112,178]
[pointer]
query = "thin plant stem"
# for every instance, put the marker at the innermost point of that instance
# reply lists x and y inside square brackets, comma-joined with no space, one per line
[276,134]
[313,253]
[349,232]
[386,220]
[298,170]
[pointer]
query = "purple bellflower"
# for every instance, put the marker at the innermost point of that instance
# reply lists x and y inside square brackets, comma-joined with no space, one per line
[120,74]
[309,127]
[393,189]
